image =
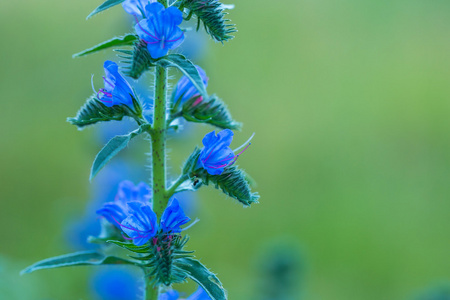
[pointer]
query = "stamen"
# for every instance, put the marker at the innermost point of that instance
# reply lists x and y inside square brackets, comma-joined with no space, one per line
[92,84]
[247,142]
[190,225]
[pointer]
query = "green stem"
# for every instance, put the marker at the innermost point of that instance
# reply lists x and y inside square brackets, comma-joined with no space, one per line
[176,184]
[159,142]
[152,293]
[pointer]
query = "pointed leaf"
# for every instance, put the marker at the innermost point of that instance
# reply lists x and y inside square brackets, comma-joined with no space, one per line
[107,4]
[211,111]
[126,40]
[187,68]
[114,146]
[76,259]
[94,111]
[204,277]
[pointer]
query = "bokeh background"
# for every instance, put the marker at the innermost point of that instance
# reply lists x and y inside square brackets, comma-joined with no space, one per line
[350,102]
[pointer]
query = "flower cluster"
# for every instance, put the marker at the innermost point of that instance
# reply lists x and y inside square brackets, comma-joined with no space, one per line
[132,213]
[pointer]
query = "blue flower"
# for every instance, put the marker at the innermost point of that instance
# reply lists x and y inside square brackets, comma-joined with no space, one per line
[117,90]
[141,223]
[217,155]
[173,217]
[136,7]
[199,294]
[186,90]
[169,295]
[160,30]
[115,212]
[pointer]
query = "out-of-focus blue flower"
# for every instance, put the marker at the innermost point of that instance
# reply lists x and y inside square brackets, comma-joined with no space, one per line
[141,223]
[169,295]
[117,90]
[115,212]
[160,30]
[117,283]
[173,217]
[136,7]
[199,294]
[186,90]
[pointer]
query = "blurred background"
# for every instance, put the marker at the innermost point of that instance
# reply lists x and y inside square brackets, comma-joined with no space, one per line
[350,102]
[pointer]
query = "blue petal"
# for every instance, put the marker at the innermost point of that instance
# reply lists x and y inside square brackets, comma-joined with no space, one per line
[199,294]
[170,295]
[153,9]
[173,217]
[175,15]
[210,139]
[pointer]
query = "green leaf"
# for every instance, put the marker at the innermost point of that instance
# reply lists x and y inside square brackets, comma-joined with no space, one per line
[138,60]
[114,146]
[94,111]
[89,258]
[107,4]
[211,13]
[211,111]
[187,68]
[126,40]
[204,277]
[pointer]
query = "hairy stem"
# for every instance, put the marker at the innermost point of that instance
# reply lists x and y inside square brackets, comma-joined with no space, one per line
[152,293]
[159,142]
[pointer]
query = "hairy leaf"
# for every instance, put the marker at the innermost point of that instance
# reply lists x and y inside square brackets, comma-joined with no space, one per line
[88,258]
[94,111]
[204,277]
[138,60]
[212,111]
[187,68]
[211,13]
[126,40]
[104,6]
[114,146]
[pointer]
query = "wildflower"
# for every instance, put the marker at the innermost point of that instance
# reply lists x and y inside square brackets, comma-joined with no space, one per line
[136,7]
[169,295]
[141,223]
[117,90]
[173,217]
[217,155]
[186,90]
[115,212]
[199,294]
[160,30]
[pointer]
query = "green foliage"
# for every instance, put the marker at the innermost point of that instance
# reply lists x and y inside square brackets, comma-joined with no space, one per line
[162,258]
[204,277]
[211,13]
[126,40]
[212,111]
[233,181]
[138,59]
[187,68]
[88,258]
[114,146]
[94,111]
[104,6]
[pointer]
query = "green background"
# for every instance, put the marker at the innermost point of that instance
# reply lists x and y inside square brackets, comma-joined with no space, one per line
[350,104]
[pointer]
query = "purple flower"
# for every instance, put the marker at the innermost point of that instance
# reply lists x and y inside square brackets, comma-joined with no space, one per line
[141,223]
[169,295]
[160,30]
[136,7]
[217,155]
[199,294]
[186,90]
[117,90]
[173,217]
[115,212]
